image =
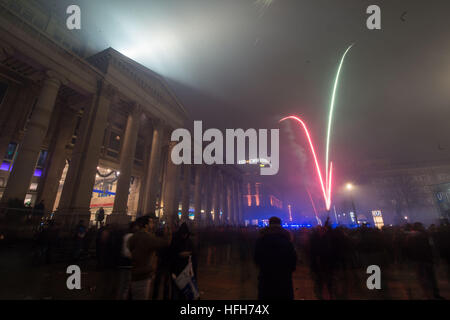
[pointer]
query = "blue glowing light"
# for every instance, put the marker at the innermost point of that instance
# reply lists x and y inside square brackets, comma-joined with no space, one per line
[4,166]
[104,193]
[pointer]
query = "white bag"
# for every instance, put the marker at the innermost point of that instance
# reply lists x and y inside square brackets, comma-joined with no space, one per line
[186,282]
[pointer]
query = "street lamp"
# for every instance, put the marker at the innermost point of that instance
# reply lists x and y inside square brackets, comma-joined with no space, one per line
[349,186]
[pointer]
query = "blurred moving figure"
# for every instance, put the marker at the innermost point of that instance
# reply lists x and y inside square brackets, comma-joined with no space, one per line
[180,250]
[39,209]
[323,260]
[47,242]
[276,259]
[125,265]
[420,253]
[143,246]
[80,234]
[99,217]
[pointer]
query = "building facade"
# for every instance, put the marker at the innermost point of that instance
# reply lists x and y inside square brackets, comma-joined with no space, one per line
[80,131]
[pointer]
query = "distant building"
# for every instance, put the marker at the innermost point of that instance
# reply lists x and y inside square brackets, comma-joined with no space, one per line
[261,202]
[409,192]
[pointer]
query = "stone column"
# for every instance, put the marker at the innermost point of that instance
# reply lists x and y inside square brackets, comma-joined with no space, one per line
[8,102]
[230,201]
[153,170]
[18,105]
[25,163]
[224,199]
[216,196]
[11,105]
[142,189]
[237,214]
[186,197]
[240,202]
[49,184]
[170,194]
[119,214]
[198,193]
[234,218]
[209,194]
[77,191]
[12,90]
[227,194]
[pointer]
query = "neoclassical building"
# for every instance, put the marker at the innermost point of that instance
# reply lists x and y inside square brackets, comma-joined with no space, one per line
[82,131]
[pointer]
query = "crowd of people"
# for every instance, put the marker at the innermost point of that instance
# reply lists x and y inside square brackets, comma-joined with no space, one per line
[151,260]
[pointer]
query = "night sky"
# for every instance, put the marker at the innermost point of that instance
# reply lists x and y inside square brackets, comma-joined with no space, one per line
[243,64]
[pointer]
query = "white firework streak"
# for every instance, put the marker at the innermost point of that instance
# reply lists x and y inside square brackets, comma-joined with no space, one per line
[263,5]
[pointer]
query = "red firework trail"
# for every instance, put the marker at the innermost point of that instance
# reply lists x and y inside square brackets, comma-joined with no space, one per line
[326,189]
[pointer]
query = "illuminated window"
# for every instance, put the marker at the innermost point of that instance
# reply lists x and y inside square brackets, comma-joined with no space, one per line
[114,141]
[113,144]
[41,159]
[275,202]
[11,153]
[40,163]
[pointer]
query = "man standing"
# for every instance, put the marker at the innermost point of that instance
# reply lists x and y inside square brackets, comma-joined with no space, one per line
[143,246]
[99,217]
[276,258]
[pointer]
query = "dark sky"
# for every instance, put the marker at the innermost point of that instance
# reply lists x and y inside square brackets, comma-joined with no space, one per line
[233,64]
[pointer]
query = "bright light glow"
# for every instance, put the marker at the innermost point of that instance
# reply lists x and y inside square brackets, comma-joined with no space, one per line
[326,189]
[349,186]
[155,47]
[330,117]
[290,212]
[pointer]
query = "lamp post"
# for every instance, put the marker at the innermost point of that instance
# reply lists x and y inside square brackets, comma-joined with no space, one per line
[350,188]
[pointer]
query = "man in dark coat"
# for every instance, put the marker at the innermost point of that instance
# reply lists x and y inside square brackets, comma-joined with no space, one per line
[276,258]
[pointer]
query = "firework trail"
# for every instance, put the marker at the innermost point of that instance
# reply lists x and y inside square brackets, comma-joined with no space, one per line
[326,189]
[319,222]
[263,6]
[330,117]
[327,184]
